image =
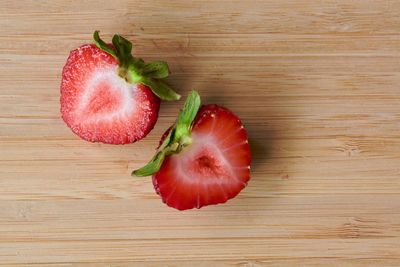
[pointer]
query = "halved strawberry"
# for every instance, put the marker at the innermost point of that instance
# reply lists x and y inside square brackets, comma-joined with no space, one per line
[204,158]
[109,96]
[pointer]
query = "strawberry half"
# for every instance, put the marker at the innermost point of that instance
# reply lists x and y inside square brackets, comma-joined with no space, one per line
[109,96]
[204,158]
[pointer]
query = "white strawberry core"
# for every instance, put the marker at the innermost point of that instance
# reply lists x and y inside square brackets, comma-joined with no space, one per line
[202,160]
[106,96]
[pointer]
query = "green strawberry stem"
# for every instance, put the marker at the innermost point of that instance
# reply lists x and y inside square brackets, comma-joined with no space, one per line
[179,136]
[135,70]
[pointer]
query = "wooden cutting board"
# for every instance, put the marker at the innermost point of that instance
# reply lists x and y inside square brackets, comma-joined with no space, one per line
[315,82]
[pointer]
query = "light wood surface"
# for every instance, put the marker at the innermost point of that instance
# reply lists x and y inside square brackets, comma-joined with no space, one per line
[315,82]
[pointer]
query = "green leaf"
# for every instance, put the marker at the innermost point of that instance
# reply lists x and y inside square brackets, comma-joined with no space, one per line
[155,163]
[134,70]
[102,45]
[178,136]
[156,69]
[167,139]
[123,50]
[138,62]
[187,115]
[152,167]
[160,89]
[123,46]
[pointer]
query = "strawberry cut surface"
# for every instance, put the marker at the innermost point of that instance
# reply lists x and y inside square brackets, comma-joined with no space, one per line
[100,106]
[215,167]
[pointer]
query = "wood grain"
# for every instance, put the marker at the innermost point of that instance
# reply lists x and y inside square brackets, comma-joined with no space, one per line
[315,82]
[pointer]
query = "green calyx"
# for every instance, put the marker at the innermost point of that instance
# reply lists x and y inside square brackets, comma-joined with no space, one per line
[179,136]
[135,70]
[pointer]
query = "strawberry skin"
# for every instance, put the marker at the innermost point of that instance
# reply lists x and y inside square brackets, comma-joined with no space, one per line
[99,105]
[215,167]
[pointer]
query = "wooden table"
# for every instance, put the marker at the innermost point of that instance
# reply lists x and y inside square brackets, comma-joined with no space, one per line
[315,82]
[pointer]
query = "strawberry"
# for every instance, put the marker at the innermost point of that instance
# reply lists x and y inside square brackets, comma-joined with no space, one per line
[203,159]
[109,96]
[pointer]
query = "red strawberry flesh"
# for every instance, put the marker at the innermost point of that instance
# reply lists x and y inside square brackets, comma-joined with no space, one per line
[100,106]
[213,168]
